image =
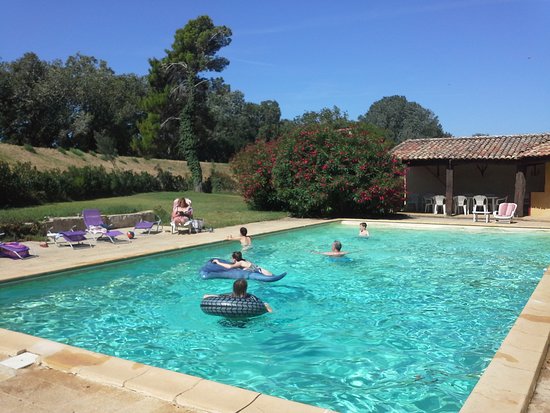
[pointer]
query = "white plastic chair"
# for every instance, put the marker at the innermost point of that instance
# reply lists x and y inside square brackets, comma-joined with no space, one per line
[439,201]
[501,201]
[480,204]
[412,202]
[428,203]
[460,202]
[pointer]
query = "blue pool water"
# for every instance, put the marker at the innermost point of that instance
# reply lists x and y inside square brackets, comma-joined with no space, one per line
[406,324]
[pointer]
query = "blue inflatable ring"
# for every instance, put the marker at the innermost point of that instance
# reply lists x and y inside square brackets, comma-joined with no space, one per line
[211,270]
[226,305]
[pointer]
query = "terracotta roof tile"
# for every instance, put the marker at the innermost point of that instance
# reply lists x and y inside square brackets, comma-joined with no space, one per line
[483,147]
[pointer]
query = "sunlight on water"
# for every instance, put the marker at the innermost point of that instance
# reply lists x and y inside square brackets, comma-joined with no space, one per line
[407,323]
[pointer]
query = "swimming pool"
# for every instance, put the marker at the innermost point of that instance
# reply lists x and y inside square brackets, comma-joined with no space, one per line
[406,324]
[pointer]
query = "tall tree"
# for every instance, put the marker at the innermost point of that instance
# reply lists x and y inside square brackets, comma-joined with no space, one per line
[56,104]
[402,119]
[235,122]
[333,118]
[178,78]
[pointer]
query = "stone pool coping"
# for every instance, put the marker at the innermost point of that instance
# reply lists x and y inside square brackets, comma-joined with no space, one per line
[507,384]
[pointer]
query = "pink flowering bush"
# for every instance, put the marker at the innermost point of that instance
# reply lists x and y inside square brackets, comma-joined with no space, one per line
[325,172]
[252,167]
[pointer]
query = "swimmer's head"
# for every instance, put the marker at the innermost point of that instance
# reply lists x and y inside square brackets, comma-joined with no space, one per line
[239,287]
[237,256]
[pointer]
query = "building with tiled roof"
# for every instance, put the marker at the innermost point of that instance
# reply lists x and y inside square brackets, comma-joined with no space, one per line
[480,147]
[508,166]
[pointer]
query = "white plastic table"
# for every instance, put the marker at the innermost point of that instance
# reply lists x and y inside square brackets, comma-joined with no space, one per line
[486,214]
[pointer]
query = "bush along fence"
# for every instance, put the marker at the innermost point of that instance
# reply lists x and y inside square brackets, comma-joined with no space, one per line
[323,172]
[22,184]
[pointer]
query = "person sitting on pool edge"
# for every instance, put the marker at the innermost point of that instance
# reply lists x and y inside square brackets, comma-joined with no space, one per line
[363,231]
[336,250]
[246,241]
[240,262]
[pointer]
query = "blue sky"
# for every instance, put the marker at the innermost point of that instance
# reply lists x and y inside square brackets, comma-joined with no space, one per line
[482,66]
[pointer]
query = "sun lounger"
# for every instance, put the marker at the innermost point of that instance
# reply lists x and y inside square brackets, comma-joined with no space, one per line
[96,227]
[146,226]
[505,212]
[69,237]
[14,250]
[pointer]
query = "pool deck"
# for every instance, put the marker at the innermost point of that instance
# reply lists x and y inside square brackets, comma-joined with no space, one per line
[66,378]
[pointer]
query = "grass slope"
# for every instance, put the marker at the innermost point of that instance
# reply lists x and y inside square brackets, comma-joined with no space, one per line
[47,158]
[218,210]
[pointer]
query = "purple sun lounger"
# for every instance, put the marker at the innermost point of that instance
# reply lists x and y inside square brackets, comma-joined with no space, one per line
[147,226]
[14,250]
[96,227]
[71,237]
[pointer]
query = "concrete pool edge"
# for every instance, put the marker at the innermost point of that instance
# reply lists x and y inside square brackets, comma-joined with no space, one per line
[507,385]
[509,381]
[178,388]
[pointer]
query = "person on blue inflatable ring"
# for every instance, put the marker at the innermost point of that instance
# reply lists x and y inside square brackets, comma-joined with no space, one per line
[240,262]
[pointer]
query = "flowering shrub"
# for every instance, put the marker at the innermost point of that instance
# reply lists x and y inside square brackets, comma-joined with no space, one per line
[253,166]
[327,172]
[340,172]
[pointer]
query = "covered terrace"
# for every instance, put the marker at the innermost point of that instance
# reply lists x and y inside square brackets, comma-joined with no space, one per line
[511,166]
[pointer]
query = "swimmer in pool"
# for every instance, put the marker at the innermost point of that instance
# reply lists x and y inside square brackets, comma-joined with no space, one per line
[363,232]
[246,241]
[336,250]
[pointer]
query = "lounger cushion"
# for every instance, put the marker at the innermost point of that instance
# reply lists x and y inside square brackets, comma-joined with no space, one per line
[74,236]
[14,250]
[144,225]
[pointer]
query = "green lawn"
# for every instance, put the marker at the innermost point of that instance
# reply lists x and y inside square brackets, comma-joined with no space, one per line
[217,210]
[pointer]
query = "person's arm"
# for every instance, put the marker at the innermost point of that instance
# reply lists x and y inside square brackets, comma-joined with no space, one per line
[268,308]
[228,266]
[334,254]
[323,253]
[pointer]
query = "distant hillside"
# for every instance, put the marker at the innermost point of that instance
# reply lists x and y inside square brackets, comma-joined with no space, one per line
[46,158]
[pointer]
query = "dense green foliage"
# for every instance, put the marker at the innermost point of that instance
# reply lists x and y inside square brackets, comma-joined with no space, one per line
[403,120]
[326,118]
[322,172]
[236,123]
[23,184]
[68,104]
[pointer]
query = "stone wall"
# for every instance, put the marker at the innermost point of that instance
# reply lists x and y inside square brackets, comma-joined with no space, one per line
[116,221]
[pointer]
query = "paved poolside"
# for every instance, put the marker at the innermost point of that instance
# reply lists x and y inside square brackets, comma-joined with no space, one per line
[66,378]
